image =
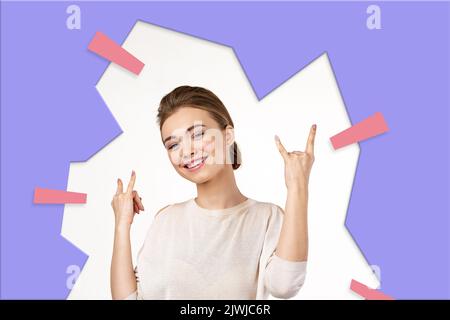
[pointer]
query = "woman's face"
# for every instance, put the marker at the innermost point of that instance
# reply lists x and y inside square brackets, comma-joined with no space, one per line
[196,146]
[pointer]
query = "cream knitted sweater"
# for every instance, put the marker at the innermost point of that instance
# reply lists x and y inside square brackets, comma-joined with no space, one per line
[195,253]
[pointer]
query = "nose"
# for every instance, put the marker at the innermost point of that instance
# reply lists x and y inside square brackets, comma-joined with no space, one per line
[187,150]
[187,155]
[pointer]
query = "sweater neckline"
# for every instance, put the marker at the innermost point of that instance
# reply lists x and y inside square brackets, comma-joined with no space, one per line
[222,212]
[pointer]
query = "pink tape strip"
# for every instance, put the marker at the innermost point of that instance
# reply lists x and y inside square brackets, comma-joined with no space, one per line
[366,292]
[58,196]
[365,129]
[108,49]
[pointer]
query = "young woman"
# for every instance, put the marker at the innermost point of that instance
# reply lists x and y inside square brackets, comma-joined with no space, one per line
[220,244]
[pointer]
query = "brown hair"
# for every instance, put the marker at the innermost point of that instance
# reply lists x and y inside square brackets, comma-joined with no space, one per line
[201,98]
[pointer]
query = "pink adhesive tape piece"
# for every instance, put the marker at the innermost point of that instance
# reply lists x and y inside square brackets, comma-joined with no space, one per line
[367,293]
[108,49]
[42,196]
[365,129]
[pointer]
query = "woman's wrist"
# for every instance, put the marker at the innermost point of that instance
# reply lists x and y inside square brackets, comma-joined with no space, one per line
[122,226]
[296,188]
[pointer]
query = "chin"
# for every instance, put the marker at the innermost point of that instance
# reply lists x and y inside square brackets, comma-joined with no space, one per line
[200,175]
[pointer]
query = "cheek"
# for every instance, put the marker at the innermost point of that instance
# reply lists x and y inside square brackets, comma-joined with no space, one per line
[209,146]
[174,158]
[213,144]
[214,149]
[214,154]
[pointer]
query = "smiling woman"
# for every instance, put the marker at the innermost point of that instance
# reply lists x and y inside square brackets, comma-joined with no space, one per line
[207,113]
[196,128]
[221,244]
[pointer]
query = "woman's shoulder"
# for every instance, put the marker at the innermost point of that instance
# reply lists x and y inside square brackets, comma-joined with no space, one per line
[172,207]
[268,213]
[269,207]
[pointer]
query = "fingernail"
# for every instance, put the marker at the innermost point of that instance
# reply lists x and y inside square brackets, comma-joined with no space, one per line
[132,173]
[314,126]
[277,138]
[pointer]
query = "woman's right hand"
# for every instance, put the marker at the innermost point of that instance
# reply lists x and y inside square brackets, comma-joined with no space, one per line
[126,204]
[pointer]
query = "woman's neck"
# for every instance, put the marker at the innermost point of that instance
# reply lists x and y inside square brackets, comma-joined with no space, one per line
[220,192]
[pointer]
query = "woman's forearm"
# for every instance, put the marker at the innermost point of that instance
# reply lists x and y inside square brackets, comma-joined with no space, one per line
[123,280]
[293,241]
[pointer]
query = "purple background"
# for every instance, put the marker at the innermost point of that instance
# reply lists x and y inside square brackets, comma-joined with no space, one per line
[51,114]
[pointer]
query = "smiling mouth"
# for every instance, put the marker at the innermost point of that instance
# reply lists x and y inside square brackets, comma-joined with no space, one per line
[196,164]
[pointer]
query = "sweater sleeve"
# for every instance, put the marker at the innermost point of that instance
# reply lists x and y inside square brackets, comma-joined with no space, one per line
[136,294]
[284,278]
[281,278]
[132,296]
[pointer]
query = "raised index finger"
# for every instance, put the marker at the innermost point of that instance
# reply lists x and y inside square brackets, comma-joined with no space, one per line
[119,186]
[131,183]
[310,142]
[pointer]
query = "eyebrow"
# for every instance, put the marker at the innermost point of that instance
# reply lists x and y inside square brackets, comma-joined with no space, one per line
[187,130]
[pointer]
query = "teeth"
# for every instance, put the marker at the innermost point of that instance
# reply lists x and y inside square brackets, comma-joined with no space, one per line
[195,163]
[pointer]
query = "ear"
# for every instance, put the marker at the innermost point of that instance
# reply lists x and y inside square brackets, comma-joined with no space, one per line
[229,135]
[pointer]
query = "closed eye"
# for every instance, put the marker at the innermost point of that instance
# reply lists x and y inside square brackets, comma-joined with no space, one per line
[198,135]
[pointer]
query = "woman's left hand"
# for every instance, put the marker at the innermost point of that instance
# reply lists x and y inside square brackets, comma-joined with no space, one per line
[298,164]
